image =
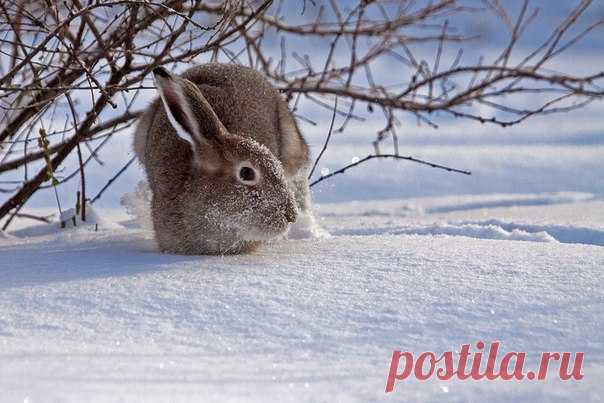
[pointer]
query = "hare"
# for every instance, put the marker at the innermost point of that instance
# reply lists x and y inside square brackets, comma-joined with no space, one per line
[225,160]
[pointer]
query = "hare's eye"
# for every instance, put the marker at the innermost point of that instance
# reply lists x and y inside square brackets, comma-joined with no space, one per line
[247,174]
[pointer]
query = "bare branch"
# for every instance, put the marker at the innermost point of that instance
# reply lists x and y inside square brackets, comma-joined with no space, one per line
[402,61]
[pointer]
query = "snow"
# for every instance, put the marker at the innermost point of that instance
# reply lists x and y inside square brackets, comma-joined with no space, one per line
[102,316]
[478,230]
[527,220]
[306,226]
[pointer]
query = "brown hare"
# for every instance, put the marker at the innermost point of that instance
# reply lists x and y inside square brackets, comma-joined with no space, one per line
[224,158]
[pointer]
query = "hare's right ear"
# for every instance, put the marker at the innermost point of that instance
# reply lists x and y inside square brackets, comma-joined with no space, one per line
[187,109]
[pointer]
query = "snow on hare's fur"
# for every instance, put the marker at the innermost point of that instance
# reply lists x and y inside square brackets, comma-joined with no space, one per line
[225,161]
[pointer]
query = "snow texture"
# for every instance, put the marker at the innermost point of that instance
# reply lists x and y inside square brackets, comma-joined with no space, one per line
[100,316]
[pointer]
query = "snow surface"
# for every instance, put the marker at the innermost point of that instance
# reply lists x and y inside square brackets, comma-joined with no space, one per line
[102,316]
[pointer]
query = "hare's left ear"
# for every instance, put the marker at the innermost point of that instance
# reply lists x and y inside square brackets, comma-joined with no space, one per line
[191,115]
[187,108]
[177,106]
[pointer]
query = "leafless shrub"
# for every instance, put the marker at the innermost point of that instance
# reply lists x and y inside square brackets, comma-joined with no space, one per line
[52,52]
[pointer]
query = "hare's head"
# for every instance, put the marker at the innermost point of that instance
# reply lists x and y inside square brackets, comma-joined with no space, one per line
[236,184]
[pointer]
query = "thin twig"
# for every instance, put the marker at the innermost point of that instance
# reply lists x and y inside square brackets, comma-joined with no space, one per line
[329,132]
[113,178]
[387,156]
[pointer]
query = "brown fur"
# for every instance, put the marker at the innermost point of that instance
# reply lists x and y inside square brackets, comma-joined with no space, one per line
[198,204]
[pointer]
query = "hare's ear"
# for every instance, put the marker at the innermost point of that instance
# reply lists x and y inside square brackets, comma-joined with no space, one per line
[187,109]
